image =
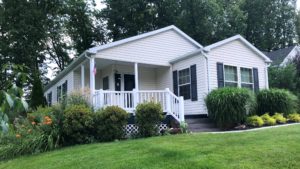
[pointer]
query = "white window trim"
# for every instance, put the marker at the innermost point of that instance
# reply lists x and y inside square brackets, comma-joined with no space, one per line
[237,72]
[251,76]
[239,76]
[179,85]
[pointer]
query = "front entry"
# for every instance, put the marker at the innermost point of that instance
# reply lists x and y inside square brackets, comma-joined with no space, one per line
[129,84]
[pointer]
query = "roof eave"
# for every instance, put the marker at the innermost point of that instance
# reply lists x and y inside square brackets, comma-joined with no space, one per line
[72,65]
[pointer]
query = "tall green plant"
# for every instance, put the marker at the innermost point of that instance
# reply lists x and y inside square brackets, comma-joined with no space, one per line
[276,100]
[230,106]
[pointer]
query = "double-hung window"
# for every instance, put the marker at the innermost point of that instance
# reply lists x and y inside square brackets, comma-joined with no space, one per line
[62,91]
[230,76]
[184,83]
[49,99]
[247,78]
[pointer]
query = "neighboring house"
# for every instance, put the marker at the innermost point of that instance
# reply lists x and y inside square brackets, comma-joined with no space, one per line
[165,66]
[281,57]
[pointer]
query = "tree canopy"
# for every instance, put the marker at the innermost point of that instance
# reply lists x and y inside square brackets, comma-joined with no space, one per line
[34,33]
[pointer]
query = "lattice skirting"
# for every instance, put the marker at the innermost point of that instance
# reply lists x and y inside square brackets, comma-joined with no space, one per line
[132,129]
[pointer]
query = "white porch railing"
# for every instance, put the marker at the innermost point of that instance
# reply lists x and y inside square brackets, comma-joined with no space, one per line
[128,100]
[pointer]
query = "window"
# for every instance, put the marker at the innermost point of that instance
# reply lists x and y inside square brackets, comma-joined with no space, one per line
[231,78]
[62,91]
[58,93]
[184,83]
[246,78]
[105,83]
[49,99]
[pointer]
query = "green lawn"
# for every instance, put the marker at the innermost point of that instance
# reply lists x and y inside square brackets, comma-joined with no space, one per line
[269,148]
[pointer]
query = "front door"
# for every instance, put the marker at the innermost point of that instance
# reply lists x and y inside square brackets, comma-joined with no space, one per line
[129,84]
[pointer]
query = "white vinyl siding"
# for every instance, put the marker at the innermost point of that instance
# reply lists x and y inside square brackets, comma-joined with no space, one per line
[237,54]
[195,107]
[157,50]
[70,78]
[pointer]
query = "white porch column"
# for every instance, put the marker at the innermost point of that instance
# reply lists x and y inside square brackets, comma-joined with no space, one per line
[92,78]
[82,77]
[168,101]
[136,76]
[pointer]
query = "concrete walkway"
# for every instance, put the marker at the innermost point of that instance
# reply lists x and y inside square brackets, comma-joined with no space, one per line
[254,129]
[201,125]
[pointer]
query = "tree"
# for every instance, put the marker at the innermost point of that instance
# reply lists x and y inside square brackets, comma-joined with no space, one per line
[284,77]
[80,26]
[127,18]
[297,24]
[37,94]
[270,23]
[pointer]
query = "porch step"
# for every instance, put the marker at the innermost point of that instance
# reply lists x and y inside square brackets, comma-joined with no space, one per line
[200,124]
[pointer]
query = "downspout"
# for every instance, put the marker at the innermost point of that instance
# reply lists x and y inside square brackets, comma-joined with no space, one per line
[207,70]
[267,76]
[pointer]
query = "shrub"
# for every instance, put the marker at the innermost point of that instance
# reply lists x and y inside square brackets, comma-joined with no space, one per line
[268,120]
[148,117]
[279,118]
[229,106]
[77,98]
[294,117]
[109,123]
[78,124]
[254,121]
[276,100]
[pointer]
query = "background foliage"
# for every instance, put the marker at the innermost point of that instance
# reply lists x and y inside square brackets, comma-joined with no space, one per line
[34,33]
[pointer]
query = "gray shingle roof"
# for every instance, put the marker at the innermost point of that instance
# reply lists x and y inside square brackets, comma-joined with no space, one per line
[279,55]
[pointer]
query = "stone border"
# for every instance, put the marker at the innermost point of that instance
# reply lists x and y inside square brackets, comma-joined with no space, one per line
[254,129]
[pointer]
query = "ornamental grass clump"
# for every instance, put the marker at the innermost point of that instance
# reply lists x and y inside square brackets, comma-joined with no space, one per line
[228,107]
[254,121]
[268,120]
[276,100]
[279,118]
[294,117]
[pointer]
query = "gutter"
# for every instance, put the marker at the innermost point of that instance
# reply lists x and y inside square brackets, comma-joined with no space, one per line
[207,68]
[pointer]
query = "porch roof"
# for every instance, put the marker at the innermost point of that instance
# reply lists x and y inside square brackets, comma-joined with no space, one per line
[94,50]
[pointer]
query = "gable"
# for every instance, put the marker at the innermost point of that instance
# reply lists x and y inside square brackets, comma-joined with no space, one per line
[161,47]
[236,51]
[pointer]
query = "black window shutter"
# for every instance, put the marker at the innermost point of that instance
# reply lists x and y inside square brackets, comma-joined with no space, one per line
[175,83]
[255,79]
[220,75]
[194,96]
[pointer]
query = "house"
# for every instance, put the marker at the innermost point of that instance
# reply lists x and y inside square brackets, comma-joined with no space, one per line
[281,57]
[166,66]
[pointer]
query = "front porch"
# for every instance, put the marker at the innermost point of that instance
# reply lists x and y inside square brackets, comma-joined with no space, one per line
[126,84]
